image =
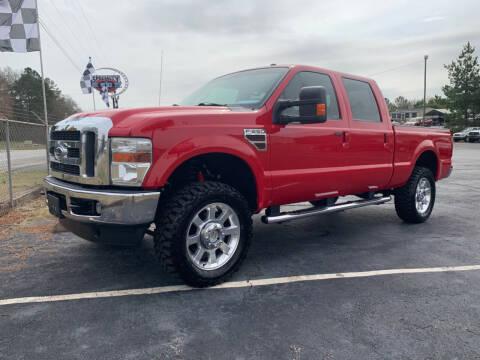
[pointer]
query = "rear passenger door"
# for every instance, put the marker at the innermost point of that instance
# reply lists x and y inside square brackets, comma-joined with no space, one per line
[370,140]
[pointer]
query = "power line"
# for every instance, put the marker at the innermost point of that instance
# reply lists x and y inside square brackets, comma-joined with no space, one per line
[85,17]
[396,68]
[80,42]
[23,113]
[57,29]
[60,46]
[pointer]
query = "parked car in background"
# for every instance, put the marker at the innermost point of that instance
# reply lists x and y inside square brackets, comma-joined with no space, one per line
[412,122]
[473,136]
[462,135]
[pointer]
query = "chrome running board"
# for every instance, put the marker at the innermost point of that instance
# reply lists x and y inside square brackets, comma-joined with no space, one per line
[299,214]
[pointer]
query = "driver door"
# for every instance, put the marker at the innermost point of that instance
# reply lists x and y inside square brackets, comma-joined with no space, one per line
[307,159]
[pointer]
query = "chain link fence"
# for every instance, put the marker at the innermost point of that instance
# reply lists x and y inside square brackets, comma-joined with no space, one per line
[23,160]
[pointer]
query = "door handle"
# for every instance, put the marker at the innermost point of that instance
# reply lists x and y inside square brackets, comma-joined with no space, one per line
[346,139]
[386,142]
[337,133]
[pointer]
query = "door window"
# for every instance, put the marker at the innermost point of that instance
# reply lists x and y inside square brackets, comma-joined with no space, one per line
[362,101]
[308,78]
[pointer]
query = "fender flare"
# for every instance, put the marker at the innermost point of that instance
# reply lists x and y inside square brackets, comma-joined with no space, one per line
[425,145]
[171,159]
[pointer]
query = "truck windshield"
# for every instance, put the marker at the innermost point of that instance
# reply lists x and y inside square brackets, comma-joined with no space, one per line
[248,88]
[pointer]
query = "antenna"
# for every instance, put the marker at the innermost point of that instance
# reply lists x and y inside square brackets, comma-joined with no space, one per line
[160,85]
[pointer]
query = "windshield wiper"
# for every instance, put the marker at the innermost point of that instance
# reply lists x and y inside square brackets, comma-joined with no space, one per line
[210,104]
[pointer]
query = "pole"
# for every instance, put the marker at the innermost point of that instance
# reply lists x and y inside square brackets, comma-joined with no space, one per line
[425,89]
[93,98]
[9,162]
[43,86]
[93,92]
[161,73]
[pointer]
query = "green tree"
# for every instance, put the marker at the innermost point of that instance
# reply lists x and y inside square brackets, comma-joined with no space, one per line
[463,92]
[26,94]
[437,102]
[401,102]
[391,106]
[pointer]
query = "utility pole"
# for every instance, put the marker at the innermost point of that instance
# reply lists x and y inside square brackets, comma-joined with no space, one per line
[425,89]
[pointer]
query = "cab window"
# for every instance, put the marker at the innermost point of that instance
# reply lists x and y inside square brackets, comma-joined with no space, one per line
[362,101]
[309,78]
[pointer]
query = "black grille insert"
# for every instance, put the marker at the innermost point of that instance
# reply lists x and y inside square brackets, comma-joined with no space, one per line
[90,153]
[83,206]
[65,168]
[73,152]
[73,135]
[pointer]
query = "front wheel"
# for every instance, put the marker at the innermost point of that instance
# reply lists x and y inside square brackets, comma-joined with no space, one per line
[203,233]
[414,201]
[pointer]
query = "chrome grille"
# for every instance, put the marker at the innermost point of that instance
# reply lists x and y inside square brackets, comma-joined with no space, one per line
[79,150]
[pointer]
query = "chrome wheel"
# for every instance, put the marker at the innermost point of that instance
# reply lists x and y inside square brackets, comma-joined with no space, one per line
[423,196]
[212,236]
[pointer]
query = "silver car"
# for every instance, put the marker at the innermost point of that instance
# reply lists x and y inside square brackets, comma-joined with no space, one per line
[462,135]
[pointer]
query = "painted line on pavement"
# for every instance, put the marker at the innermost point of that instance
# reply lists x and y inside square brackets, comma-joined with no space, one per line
[234,284]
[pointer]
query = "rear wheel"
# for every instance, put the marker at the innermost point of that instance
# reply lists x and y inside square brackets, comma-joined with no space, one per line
[414,201]
[203,233]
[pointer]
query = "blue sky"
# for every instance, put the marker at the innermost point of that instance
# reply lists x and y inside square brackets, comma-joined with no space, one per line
[203,39]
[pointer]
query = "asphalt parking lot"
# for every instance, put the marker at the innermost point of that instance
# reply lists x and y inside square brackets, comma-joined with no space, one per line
[431,315]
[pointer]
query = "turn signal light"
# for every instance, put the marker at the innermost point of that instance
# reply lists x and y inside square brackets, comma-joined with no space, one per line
[321,109]
[138,157]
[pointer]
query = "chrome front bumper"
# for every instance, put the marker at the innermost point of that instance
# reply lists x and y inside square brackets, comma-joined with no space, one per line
[117,207]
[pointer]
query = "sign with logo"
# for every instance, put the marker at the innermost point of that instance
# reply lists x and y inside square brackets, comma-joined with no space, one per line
[111,82]
[113,79]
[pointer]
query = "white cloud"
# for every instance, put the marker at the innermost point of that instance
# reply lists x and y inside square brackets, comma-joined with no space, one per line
[204,39]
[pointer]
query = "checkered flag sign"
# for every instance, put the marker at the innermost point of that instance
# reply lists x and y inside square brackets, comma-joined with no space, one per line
[18,26]
[104,93]
[87,78]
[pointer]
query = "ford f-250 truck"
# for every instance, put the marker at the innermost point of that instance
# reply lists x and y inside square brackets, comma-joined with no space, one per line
[192,175]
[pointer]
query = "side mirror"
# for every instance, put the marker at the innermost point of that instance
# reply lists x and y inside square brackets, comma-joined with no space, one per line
[312,107]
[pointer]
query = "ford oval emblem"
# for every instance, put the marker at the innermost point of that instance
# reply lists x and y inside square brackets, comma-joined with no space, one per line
[60,152]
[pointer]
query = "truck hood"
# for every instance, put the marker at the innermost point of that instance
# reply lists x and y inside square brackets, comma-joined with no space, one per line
[142,121]
[119,116]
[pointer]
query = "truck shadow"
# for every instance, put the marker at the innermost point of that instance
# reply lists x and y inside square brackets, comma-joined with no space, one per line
[356,240]
[299,245]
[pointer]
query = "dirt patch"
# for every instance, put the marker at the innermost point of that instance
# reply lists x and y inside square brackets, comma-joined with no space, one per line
[23,232]
[36,209]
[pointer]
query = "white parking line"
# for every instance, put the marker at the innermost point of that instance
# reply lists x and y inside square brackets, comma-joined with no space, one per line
[233,284]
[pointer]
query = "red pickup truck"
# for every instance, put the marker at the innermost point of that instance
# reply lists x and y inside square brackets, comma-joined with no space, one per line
[192,175]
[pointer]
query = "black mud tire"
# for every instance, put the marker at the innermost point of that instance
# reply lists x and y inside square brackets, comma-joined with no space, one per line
[171,226]
[324,202]
[405,205]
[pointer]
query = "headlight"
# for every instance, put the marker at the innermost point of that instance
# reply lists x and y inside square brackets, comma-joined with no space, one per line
[131,159]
